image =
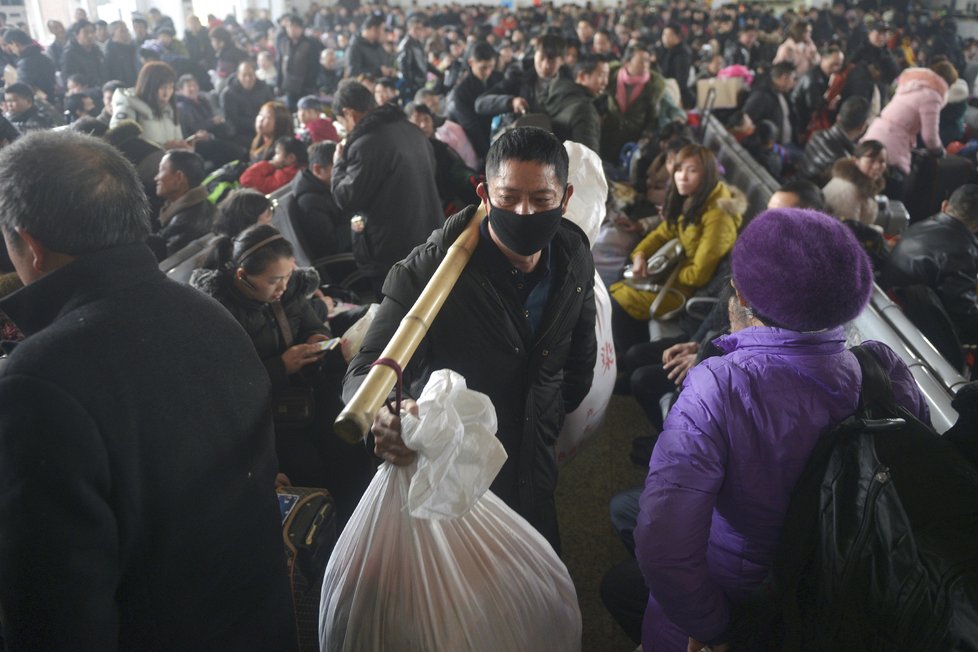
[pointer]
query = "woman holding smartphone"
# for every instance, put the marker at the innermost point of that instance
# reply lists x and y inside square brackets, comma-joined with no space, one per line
[258,283]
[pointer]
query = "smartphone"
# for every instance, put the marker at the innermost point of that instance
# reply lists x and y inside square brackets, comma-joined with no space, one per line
[328,345]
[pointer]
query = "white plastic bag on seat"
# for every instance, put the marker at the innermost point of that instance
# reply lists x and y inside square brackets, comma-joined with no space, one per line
[471,575]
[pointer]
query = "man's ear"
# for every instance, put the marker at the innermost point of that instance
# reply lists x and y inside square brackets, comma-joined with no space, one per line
[483,191]
[944,205]
[567,195]
[38,252]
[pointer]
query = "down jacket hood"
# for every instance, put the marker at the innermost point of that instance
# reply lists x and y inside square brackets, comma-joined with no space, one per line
[958,92]
[734,204]
[916,79]
[847,170]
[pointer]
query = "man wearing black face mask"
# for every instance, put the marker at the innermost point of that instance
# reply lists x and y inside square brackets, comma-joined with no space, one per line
[519,324]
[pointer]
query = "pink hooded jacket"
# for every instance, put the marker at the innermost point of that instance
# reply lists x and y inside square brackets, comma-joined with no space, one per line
[915,109]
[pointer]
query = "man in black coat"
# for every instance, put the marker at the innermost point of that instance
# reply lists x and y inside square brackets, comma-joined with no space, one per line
[33,68]
[571,104]
[121,62]
[482,75]
[827,146]
[297,62]
[675,60]
[808,95]
[366,54]
[743,51]
[526,83]
[385,175]
[83,56]
[518,325]
[241,101]
[942,254]
[186,213]
[320,222]
[137,482]
[768,100]
[412,63]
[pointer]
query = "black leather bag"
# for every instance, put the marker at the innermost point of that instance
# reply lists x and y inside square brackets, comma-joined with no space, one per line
[878,550]
[309,531]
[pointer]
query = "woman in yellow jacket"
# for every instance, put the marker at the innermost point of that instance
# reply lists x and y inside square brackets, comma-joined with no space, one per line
[704,214]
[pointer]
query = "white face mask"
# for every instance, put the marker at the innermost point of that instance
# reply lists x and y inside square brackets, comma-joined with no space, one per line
[340,129]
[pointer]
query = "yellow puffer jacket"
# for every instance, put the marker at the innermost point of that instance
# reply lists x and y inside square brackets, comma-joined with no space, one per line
[705,245]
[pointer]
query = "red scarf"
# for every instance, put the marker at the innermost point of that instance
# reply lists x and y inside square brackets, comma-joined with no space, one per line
[629,88]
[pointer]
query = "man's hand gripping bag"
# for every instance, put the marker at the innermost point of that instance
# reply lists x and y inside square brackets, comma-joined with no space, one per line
[432,561]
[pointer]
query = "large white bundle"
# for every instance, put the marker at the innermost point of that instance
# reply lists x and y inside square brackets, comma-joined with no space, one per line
[587,210]
[432,561]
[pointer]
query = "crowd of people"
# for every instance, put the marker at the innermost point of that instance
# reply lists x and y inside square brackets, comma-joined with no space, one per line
[382,128]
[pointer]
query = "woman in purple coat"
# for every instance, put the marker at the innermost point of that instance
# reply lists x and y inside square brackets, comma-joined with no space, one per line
[736,441]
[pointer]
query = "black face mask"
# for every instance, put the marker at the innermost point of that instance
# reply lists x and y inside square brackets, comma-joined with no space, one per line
[525,234]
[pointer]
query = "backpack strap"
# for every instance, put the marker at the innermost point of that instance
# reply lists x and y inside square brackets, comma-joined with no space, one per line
[876,398]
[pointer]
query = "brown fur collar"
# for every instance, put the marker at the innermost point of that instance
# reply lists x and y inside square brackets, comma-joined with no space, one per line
[847,170]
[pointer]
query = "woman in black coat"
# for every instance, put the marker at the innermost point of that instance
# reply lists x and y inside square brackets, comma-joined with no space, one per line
[257,280]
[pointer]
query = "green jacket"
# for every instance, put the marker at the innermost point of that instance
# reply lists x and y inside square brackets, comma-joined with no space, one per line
[638,121]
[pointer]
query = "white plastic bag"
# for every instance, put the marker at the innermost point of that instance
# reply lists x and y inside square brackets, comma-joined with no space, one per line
[587,210]
[483,581]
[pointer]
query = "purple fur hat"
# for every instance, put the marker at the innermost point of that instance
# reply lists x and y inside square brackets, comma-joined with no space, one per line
[802,269]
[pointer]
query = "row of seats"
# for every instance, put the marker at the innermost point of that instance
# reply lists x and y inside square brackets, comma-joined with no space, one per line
[338,270]
[882,320]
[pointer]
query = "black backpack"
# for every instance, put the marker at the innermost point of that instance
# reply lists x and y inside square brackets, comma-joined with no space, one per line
[880,544]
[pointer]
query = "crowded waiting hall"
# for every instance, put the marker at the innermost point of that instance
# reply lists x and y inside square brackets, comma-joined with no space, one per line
[613,326]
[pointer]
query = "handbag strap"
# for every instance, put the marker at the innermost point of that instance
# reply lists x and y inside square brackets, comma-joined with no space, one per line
[283,323]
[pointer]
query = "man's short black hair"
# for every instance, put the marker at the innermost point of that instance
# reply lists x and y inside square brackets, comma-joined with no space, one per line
[781,69]
[528,144]
[17,36]
[295,19]
[853,113]
[112,86]
[99,201]
[80,79]
[322,153]
[189,163]
[373,20]
[587,64]
[20,89]
[676,28]
[351,94]
[483,52]
[552,46]
[75,102]
[296,148]
[90,126]
[809,195]
[963,204]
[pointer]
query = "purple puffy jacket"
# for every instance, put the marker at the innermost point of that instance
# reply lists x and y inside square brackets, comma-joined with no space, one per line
[722,472]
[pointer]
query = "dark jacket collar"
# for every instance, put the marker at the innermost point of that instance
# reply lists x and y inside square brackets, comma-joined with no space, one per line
[955,223]
[86,279]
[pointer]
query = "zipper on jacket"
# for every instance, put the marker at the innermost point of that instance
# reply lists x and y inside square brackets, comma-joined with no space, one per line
[881,478]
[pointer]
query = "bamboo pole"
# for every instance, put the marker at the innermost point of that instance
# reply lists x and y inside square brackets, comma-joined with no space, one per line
[355,420]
